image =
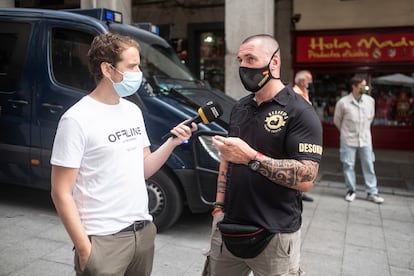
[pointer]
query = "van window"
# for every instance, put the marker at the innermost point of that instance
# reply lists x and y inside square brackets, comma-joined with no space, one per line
[69,58]
[162,61]
[13,47]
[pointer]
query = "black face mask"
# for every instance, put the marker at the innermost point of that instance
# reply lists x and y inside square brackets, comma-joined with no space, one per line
[311,88]
[253,79]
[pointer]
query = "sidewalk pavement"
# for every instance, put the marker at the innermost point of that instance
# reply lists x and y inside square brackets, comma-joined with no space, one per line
[361,237]
[394,170]
[339,238]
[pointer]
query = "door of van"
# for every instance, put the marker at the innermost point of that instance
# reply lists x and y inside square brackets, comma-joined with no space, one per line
[16,37]
[65,81]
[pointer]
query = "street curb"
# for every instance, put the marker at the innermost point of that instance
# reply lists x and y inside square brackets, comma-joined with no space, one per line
[383,190]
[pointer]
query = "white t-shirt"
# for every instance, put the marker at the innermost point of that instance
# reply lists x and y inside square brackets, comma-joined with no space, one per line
[106,143]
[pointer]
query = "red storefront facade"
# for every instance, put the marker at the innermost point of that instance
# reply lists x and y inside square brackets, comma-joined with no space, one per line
[384,56]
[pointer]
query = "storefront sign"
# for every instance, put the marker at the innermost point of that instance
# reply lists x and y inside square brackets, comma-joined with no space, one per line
[355,48]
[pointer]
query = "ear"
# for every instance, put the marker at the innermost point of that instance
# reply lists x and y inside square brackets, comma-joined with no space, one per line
[106,69]
[275,62]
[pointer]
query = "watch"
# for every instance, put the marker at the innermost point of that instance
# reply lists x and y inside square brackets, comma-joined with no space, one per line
[254,164]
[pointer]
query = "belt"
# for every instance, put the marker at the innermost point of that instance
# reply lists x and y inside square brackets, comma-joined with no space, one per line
[136,226]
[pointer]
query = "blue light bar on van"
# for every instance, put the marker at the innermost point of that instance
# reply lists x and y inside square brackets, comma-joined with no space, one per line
[113,16]
[109,15]
[101,14]
[148,27]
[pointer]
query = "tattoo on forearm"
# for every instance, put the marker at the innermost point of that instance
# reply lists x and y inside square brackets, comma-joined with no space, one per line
[221,187]
[289,172]
[221,183]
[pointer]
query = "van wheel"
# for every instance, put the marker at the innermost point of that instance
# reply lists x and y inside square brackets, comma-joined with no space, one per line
[165,200]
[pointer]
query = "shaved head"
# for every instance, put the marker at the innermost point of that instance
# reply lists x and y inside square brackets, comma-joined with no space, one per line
[269,43]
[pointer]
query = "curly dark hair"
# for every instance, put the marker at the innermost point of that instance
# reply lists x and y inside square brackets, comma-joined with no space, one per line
[107,48]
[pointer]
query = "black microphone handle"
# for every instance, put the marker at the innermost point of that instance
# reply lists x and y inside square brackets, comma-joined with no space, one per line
[197,119]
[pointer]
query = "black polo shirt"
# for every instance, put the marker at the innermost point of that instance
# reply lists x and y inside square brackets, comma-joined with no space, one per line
[286,127]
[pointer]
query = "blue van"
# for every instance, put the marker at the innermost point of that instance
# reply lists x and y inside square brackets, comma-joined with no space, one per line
[43,71]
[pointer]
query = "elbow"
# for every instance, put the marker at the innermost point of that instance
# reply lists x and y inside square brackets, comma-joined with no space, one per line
[59,195]
[309,177]
[148,174]
[55,196]
[306,187]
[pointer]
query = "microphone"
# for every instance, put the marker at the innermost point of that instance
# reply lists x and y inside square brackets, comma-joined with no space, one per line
[206,114]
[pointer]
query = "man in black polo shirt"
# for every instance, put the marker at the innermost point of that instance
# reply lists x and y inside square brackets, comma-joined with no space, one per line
[270,156]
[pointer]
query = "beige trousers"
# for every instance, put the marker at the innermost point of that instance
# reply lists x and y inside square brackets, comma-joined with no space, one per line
[280,258]
[125,253]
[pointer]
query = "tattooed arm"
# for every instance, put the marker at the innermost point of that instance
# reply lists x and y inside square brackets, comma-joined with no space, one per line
[298,175]
[294,174]
[221,188]
[221,182]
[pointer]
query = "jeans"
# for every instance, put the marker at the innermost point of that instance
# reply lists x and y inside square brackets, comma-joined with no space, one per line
[367,158]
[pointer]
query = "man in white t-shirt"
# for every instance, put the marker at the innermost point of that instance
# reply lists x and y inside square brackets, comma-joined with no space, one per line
[100,160]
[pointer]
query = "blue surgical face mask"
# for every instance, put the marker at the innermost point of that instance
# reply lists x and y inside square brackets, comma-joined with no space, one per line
[130,83]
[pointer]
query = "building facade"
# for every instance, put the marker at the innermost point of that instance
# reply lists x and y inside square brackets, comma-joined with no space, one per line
[371,38]
[334,39]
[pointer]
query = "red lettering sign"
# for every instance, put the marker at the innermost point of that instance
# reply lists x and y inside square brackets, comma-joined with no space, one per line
[355,48]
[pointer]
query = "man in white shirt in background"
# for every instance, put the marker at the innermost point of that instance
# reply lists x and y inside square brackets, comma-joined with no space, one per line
[353,117]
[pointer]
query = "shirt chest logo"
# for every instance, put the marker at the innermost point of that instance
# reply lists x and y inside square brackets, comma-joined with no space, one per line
[275,121]
[124,135]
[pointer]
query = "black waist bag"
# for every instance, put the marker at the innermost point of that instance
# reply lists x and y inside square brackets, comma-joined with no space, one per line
[244,241]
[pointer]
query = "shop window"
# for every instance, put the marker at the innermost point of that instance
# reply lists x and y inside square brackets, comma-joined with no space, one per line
[328,90]
[393,94]
[394,99]
[212,58]
[206,52]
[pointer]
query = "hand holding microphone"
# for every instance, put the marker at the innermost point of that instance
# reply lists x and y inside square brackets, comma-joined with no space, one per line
[206,114]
